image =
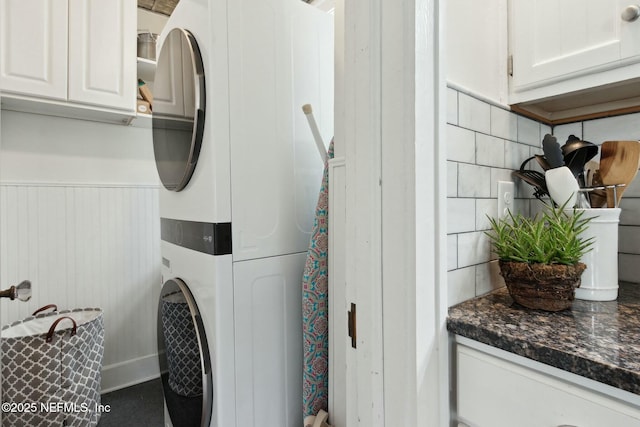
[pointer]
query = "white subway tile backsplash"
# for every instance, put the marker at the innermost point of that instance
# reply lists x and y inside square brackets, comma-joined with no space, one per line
[534,163]
[630,211]
[544,129]
[629,239]
[522,206]
[489,150]
[504,124]
[452,179]
[461,215]
[629,267]
[474,114]
[452,106]
[633,190]
[488,277]
[529,132]
[474,181]
[487,144]
[452,252]
[619,128]
[524,190]
[499,175]
[461,144]
[515,154]
[562,132]
[461,285]
[485,207]
[473,248]
[537,207]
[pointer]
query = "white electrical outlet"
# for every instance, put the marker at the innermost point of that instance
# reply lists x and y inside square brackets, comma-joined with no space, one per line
[505,198]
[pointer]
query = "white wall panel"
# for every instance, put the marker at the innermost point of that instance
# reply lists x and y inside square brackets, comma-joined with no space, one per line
[87,246]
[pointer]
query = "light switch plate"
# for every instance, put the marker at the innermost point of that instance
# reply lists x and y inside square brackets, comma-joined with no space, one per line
[505,198]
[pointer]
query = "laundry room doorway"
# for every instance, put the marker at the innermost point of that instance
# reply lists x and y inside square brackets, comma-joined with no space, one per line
[389,366]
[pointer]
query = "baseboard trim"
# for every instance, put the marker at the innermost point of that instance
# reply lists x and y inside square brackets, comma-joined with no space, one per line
[130,372]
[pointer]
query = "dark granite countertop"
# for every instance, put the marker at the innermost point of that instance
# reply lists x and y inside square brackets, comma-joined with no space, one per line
[597,340]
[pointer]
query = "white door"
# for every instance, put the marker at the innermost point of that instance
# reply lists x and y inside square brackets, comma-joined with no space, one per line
[339,343]
[389,122]
[34,47]
[554,40]
[268,341]
[102,53]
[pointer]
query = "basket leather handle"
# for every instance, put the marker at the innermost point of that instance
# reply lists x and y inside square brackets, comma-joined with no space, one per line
[52,329]
[46,307]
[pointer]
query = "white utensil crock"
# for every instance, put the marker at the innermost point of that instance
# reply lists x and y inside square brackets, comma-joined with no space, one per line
[600,279]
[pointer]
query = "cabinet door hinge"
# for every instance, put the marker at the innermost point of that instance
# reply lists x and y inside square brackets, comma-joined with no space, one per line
[351,322]
[510,65]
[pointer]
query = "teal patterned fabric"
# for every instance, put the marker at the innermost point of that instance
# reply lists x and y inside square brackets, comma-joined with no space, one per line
[315,313]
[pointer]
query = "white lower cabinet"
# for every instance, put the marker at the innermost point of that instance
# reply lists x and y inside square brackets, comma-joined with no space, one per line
[492,391]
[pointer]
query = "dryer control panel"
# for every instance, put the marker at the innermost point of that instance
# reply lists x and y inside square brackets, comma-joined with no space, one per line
[213,238]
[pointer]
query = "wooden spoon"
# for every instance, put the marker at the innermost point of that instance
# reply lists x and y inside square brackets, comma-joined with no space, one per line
[619,163]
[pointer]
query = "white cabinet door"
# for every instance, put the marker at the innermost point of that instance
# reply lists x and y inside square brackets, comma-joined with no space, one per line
[556,40]
[268,341]
[34,47]
[102,53]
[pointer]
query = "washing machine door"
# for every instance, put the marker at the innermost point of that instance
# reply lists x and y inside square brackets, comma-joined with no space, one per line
[178,109]
[185,361]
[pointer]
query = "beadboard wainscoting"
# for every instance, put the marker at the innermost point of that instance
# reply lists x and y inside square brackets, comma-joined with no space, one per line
[86,245]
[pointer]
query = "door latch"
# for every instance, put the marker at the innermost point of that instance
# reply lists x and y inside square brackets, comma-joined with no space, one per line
[351,321]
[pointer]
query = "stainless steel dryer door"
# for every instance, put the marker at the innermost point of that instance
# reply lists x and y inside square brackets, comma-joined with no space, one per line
[185,361]
[178,109]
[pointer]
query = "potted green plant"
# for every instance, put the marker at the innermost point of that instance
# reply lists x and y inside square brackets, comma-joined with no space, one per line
[539,257]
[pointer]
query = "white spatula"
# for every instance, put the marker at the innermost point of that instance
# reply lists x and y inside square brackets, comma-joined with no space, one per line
[563,186]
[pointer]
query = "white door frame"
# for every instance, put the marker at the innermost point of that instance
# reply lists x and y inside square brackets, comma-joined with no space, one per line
[389,124]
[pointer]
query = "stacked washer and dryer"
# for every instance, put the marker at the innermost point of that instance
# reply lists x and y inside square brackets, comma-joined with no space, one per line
[241,175]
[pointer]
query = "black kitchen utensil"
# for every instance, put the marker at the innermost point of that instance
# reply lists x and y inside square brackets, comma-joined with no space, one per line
[542,161]
[552,151]
[576,154]
[533,178]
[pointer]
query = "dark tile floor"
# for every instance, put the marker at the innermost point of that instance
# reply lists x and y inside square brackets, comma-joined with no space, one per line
[137,406]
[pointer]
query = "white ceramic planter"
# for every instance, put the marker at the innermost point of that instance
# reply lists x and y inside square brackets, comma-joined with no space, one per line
[600,279]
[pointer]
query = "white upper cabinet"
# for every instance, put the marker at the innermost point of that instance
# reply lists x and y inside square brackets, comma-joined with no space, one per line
[568,46]
[553,40]
[34,47]
[102,53]
[73,58]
